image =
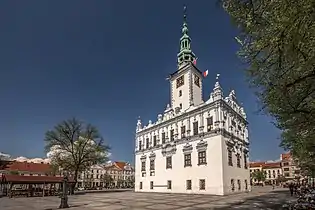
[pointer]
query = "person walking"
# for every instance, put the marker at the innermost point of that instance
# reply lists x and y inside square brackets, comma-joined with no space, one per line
[291,188]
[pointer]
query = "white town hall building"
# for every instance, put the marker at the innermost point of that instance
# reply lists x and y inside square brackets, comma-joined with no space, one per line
[195,146]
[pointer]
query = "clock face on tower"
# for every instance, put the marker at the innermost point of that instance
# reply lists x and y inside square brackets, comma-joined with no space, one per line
[180,81]
[197,80]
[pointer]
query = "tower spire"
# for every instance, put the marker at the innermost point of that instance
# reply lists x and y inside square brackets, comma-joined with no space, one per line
[185,54]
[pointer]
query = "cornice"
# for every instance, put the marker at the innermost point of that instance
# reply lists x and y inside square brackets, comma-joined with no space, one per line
[216,132]
[179,117]
[199,110]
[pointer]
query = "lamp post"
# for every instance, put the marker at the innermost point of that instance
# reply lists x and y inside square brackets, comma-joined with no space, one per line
[64,195]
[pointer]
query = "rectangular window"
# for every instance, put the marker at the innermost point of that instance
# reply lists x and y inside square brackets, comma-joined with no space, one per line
[246,184]
[202,184]
[172,135]
[163,138]
[232,185]
[168,162]
[245,161]
[238,161]
[154,141]
[230,158]
[143,166]
[187,159]
[239,184]
[183,131]
[233,123]
[180,81]
[195,128]
[285,164]
[147,143]
[152,165]
[286,174]
[202,159]
[188,184]
[286,169]
[169,184]
[197,80]
[140,145]
[141,186]
[151,185]
[209,124]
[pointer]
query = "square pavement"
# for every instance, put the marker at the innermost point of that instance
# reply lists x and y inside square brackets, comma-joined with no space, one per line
[261,198]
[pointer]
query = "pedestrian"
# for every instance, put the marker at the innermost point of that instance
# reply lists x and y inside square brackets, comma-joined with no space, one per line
[291,188]
[273,186]
[295,189]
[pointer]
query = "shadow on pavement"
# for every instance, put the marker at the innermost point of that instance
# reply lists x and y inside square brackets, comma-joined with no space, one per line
[272,200]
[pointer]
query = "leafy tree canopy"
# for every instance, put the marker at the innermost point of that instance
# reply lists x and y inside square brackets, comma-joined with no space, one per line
[259,175]
[277,44]
[75,146]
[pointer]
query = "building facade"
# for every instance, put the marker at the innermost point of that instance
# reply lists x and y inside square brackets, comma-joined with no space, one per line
[273,172]
[112,175]
[289,167]
[28,169]
[195,146]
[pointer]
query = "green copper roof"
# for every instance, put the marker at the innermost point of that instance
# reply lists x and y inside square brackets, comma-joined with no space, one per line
[185,53]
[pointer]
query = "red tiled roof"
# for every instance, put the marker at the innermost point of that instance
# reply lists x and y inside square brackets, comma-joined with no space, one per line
[272,165]
[32,179]
[256,164]
[29,167]
[120,165]
[286,156]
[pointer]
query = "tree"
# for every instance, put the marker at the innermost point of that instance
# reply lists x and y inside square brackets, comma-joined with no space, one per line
[14,173]
[107,180]
[260,176]
[281,179]
[4,161]
[75,146]
[277,46]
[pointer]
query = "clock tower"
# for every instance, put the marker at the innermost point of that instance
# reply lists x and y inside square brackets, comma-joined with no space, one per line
[186,82]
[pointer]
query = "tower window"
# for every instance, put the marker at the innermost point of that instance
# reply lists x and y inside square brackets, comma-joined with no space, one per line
[180,81]
[180,93]
[197,80]
[180,105]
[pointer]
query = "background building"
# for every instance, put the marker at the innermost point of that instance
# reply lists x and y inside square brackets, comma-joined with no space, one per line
[289,167]
[111,175]
[273,172]
[283,170]
[28,169]
[195,146]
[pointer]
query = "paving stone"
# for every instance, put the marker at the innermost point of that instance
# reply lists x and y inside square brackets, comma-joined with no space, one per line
[263,198]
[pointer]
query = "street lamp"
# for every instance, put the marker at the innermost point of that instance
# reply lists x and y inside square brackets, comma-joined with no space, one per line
[64,195]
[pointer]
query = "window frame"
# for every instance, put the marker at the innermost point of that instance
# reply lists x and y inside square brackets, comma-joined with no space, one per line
[202,157]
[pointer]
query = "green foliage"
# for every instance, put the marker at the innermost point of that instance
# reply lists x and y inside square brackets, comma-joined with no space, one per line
[259,175]
[281,179]
[75,146]
[277,46]
[107,179]
[14,173]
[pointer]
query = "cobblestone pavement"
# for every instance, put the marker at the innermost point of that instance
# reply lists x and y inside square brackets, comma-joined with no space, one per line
[259,198]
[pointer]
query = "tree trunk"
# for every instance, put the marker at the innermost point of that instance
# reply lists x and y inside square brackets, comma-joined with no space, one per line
[72,185]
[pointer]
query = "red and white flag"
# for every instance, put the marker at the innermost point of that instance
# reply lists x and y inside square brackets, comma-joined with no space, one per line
[195,61]
[205,73]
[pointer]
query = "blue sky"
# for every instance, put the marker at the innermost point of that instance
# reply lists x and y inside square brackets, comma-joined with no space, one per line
[105,62]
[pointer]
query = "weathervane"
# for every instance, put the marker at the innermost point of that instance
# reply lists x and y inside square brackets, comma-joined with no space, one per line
[217,77]
[185,10]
